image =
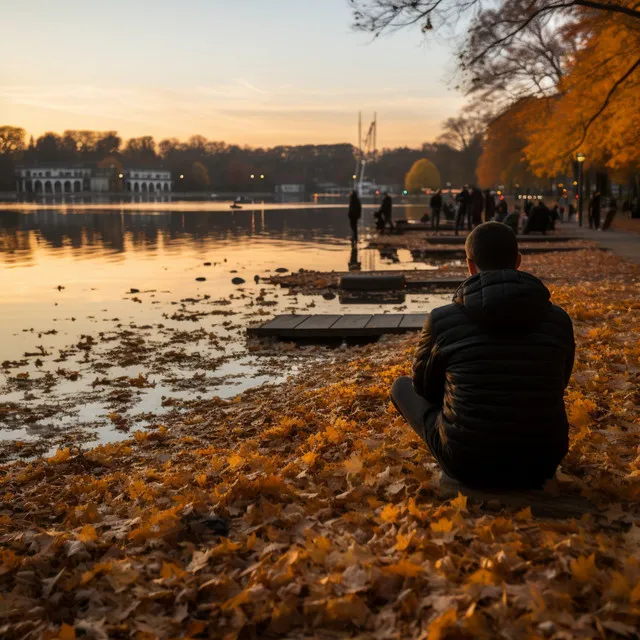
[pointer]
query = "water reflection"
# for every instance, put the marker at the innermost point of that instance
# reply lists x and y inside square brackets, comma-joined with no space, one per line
[117,231]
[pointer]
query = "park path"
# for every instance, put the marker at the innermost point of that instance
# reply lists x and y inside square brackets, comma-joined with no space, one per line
[624,244]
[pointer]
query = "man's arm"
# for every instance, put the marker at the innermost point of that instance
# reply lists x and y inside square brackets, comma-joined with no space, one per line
[428,373]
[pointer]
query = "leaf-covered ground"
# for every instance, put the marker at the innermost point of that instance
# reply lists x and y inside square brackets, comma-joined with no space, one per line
[335,523]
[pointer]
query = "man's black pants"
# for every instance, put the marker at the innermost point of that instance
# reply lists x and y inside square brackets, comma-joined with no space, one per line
[435,218]
[461,214]
[353,223]
[421,416]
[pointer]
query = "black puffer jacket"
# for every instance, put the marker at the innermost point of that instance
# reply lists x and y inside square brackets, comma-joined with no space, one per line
[497,361]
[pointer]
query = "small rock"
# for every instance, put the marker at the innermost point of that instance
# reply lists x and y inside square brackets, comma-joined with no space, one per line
[328,295]
[132,290]
[282,270]
[256,279]
[233,271]
[200,279]
[238,280]
[207,264]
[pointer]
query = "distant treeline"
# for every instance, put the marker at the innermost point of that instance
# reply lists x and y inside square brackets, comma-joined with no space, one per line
[211,165]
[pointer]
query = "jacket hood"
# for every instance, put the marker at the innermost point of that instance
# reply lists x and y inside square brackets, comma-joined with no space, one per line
[504,299]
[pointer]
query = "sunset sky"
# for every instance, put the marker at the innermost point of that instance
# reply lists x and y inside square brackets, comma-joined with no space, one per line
[253,72]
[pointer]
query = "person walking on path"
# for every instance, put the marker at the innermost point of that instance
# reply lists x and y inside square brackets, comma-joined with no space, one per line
[594,211]
[490,372]
[464,208]
[477,205]
[355,212]
[489,206]
[436,208]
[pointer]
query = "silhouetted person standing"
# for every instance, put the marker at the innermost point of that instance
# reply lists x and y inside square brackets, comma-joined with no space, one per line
[489,206]
[436,208]
[355,212]
[464,208]
[385,210]
[594,211]
[477,205]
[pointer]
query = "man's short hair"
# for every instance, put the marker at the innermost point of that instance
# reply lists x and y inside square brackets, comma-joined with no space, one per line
[492,245]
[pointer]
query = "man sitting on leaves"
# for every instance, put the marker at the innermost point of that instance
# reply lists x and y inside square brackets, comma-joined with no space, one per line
[489,375]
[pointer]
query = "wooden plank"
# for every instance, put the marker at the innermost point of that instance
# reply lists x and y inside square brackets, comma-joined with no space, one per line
[352,322]
[413,321]
[285,322]
[338,326]
[321,321]
[387,321]
[276,326]
[319,326]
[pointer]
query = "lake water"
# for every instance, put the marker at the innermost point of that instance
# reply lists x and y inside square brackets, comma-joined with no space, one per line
[81,354]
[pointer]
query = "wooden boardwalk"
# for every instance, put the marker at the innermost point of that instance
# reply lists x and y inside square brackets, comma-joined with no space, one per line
[339,326]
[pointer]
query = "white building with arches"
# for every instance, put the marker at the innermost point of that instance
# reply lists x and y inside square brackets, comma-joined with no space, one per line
[60,180]
[148,181]
[53,180]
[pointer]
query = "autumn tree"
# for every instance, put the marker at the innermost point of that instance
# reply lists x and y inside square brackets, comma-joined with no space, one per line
[580,58]
[12,140]
[12,148]
[422,175]
[597,104]
[503,158]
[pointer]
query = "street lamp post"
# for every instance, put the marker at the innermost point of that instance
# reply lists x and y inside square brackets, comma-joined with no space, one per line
[580,158]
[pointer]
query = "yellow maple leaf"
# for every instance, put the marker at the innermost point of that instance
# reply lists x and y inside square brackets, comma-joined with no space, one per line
[524,515]
[390,513]
[442,526]
[403,542]
[353,464]
[62,455]
[332,434]
[87,534]
[440,627]
[67,632]
[619,586]
[171,570]
[309,458]
[584,569]
[251,541]
[404,568]
[234,460]
[460,502]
